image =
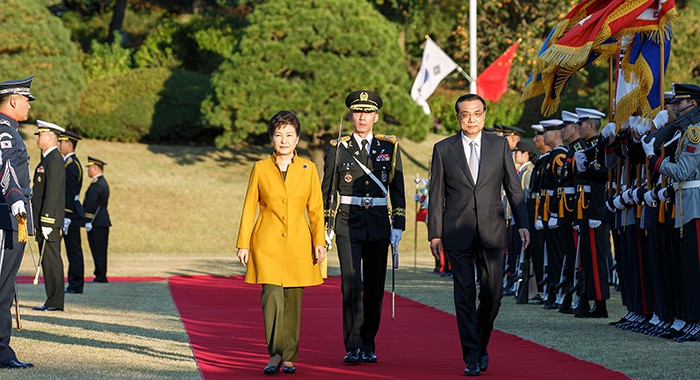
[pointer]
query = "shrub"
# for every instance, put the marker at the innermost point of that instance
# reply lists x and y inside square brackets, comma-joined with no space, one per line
[105,59]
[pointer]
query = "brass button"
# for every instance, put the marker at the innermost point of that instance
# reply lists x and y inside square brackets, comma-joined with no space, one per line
[284,217]
[284,234]
[366,183]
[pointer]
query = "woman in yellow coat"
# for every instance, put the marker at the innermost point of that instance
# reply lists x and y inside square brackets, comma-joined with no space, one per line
[282,249]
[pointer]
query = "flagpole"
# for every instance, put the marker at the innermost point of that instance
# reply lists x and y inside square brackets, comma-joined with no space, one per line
[472,45]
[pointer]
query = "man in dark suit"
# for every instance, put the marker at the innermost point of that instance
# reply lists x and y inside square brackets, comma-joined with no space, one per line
[74,212]
[97,227]
[14,204]
[466,218]
[48,207]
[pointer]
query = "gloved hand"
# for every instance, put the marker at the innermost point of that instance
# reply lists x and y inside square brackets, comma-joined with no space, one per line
[594,223]
[663,196]
[650,198]
[627,196]
[643,126]
[329,237]
[630,121]
[608,130]
[18,209]
[580,158]
[648,146]
[66,224]
[552,223]
[638,195]
[539,226]
[88,226]
[617,202]
[661,119]
[396,235]
[577,228]
[609,205]
[46,231]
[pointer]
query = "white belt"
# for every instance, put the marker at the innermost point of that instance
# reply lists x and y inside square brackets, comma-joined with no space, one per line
[365,202]
[687,184]
[550,192]
[572,190]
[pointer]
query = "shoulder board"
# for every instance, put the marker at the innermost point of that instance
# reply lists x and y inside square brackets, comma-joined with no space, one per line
[390,138]
[343,139]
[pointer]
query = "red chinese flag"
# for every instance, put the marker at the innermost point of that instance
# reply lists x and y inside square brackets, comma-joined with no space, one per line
[493,82]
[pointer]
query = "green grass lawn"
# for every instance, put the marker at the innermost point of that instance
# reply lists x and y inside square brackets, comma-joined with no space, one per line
[175,210]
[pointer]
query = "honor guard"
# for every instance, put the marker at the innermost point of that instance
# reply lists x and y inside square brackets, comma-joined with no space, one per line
[74,212]
[48,205]
[97,217]
[15,210]
[362,178]
[534,205]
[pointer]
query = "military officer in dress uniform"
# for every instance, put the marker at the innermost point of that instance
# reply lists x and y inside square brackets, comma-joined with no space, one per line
[362,173]
[74,212]
[97,216]
[48,207]
[534,205]
[15,210]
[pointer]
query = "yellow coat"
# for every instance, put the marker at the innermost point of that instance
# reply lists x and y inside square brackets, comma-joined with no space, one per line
[281,240]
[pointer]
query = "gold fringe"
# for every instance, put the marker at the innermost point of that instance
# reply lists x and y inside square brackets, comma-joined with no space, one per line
[662,212]
[537,207]
[22,235]
[545,214]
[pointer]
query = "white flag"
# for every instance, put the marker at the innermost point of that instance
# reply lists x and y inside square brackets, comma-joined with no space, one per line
[434,67]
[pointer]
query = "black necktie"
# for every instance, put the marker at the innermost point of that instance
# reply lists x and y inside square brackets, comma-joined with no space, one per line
[363,154]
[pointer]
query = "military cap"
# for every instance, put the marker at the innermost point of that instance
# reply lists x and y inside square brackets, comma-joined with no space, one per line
[525,146]
[588,113]
[684,91]
[510,131]
[552,125]
[45,126]
[497,128]
[537,128]
[19,87]
[95,161]
[569,117]
[70,135]
[363,101]
[668,95]
[489,129]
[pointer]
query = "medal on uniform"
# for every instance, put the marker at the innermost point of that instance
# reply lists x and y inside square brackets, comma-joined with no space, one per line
[384,176]
[348,178]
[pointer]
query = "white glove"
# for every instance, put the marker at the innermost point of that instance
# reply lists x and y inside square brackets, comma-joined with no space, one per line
[396,235]
[594,223]
[577,228]
[552,224]
[608,130]
[662,195]
[648,147]
[45,232]
[66,224]
[539,225]
[635,196]
[627,196]
[617,202]
[630,121]
[18,209]
[580,158]
[649,198]
[329,237]
[88,226]
[661,119]
[609,206]
[643,126]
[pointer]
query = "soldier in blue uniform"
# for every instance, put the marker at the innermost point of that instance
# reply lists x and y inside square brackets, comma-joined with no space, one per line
[362,176]
[74,212]
[97,216]
[48,207]
[15,212]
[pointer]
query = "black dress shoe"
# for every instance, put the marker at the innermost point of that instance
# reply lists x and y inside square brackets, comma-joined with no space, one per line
[73,291]
[352,357]
[15,363]
[289,370]
[100,280]
[472,369]
[484,362]
[47,308]
[368,356]
[273,366]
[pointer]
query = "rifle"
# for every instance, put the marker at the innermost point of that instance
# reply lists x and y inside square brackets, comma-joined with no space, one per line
[522,279]
[579,287]
[17,317]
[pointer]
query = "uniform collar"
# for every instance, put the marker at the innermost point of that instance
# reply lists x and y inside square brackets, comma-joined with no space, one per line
[68,155]
[369,138]
[46,153]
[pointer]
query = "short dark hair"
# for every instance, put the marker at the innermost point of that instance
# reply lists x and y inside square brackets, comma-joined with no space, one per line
[468,98]
[282,118]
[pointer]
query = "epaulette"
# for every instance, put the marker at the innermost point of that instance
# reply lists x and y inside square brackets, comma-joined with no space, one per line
[68,161]
[343,139]
[390,138]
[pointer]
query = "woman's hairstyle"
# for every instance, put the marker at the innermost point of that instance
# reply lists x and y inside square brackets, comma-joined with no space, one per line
[283,118]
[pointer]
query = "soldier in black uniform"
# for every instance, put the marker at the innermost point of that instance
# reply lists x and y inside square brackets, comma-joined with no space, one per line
[48,207]
[14,108]
[97,216]
[74,212]
[535,205]
[361,173]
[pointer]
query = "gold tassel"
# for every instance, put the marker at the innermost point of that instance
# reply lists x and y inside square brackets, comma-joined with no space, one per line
[579,205]
[562,199]
[545,214]
[662,212]
[22,235]
[673,211]
[639,211]
[537,207]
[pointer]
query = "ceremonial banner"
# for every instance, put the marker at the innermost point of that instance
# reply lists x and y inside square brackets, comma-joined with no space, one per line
[492,83]
[434,67]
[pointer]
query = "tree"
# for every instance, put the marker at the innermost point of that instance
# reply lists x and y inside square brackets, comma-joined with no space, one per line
[115,26]
[36,43]
[306,56]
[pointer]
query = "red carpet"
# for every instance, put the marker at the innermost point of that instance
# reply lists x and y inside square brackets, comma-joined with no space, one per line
[223,318]
[29,279]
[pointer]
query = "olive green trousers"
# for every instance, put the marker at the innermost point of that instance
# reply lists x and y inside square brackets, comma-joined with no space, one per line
[282,315]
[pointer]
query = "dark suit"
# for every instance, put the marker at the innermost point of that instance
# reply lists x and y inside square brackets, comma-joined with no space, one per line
[95,204]
[15,162]
[48,207]
[74,212]
[469,218]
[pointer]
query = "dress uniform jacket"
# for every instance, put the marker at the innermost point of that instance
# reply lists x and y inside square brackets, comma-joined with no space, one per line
[15,174]
[74,182]
[97,196]
[49,194]
[281,240]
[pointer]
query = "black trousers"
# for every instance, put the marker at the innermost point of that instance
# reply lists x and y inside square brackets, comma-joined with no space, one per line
[363,273]
[98,238]
[74,252]
[12,253]
[594,261]
[52,266]
[690,253]
[475,325]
